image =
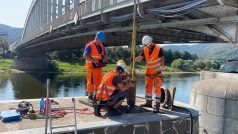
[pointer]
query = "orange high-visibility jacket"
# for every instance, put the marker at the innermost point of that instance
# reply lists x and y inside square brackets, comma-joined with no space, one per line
[94,54]
[153,60]
[106,87]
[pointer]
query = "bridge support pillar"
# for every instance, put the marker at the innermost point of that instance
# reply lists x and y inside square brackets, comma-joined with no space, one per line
[67,6]
[60,6]
[32,63]
[54,5]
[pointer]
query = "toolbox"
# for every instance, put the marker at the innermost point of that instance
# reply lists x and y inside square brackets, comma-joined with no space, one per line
[10,116]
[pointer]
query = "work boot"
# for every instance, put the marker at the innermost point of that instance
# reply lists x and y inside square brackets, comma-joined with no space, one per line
[147,104]
[165,105]
[114,112]
[156,108]
[97,110]
[90,98]
[131,106]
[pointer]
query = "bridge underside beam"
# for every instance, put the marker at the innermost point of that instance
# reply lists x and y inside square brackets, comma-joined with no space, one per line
[211,22]
[174,32]
[118,38]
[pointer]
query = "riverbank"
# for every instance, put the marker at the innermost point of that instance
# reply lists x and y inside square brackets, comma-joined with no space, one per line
[80,67]
[5,65]
[72,67]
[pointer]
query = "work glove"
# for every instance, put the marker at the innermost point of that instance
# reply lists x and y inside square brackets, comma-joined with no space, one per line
[159,70]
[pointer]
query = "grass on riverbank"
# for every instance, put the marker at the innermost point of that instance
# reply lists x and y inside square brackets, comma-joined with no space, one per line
[77,67]
[80,67]
[6,64]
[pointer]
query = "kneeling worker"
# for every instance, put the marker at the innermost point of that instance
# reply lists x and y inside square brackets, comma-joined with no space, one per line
[112,92]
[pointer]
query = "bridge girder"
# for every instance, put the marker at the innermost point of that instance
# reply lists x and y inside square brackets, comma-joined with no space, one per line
[208,23]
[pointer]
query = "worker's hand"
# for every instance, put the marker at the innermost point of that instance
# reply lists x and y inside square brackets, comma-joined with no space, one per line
[128,81]
[129,75]
[132,85]
[159,69]
[96,62]
[138,59]
[104,60]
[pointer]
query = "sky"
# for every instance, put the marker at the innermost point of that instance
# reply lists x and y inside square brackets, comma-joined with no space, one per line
[14,12]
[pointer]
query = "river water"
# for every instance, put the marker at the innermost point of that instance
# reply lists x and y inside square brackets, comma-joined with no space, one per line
[30,86]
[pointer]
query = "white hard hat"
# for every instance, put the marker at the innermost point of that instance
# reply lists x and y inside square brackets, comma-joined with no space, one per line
[147,40]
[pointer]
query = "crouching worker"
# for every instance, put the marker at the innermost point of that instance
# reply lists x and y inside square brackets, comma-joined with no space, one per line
[112,91]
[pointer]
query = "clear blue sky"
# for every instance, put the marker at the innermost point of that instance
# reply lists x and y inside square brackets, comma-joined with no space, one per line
[14,12]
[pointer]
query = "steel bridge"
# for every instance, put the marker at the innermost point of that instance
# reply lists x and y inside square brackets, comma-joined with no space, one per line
[68,24]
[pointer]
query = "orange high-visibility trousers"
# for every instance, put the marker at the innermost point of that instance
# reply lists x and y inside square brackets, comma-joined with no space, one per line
[94,78]
[150,83]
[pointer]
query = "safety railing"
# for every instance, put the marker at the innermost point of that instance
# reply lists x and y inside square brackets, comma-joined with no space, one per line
[87,8]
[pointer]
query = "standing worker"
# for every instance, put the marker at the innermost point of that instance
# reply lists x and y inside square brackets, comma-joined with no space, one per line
[96,58]
[153,54]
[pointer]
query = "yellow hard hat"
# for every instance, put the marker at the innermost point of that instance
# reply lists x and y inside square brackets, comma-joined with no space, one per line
[122,64]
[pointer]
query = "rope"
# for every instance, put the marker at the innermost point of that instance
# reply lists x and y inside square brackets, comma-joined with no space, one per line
[133,44]
[55,114]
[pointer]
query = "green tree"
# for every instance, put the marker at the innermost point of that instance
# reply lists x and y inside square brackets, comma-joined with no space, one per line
[3,45]
[178,64]
[188,65]
[169,56]
[208,65]
[215,65]
[177,55]
[200,65]
[186,55]
[194,57]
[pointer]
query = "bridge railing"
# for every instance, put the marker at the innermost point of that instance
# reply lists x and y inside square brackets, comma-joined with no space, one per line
[85,9]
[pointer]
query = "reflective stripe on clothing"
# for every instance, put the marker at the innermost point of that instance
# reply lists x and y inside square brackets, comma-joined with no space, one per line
[110,87]
[152,60]
[157,100]
[154,66]
[148,97]
[106,87]
[95,54]
[157,96]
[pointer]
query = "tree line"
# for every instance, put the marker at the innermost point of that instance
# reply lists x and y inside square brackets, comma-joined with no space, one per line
[118,53]
[3,46]
[183,61]
[197,65]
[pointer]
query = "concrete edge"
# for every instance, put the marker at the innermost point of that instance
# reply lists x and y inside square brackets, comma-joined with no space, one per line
[110,122]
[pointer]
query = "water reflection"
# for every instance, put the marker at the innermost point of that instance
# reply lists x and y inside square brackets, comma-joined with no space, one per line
[29,86]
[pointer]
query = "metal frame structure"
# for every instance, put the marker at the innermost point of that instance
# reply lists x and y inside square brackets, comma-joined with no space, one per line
[50,21]
[48,114]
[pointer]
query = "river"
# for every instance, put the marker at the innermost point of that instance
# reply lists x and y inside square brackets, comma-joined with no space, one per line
[16,86]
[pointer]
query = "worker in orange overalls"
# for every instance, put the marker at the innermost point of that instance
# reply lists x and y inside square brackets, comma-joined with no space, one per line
[153,55]
[96,58]
[112,90]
